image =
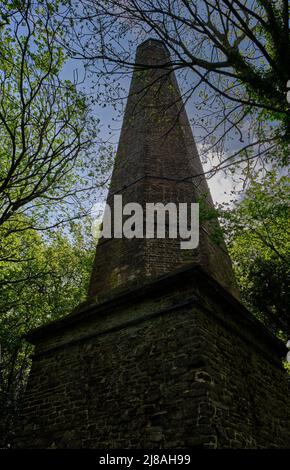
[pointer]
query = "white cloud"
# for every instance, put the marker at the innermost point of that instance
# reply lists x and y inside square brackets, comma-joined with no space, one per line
[222,183]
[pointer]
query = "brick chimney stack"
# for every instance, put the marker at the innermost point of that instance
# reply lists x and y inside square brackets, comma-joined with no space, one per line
[156,161]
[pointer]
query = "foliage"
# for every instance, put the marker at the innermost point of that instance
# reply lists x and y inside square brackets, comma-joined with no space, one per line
[50,165]
[47,130]
[258,232]
[49,280]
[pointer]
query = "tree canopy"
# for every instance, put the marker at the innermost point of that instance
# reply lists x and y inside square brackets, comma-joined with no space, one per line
[48,132]
[232,59]
[50,163]
[48,281]
[258,233]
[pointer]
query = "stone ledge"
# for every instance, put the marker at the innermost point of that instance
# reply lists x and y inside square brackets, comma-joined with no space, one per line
[240,317]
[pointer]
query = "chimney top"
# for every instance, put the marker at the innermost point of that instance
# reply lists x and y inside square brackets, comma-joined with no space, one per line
[154,42]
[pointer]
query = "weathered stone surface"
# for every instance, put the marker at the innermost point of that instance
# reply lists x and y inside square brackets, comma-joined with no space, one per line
[179,363]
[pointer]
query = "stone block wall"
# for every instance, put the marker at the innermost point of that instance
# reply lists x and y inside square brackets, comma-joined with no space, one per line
[178,363]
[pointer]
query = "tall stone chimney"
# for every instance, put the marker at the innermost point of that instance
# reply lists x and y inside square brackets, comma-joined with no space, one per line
[157,162]
[162,356]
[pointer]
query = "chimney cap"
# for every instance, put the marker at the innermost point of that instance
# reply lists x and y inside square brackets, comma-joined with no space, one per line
[154,42]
